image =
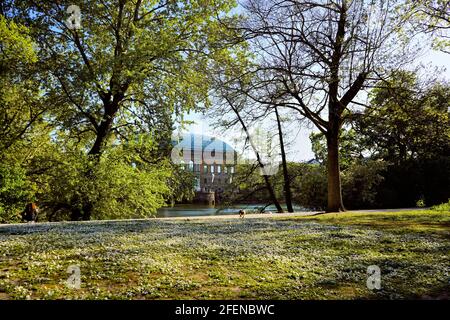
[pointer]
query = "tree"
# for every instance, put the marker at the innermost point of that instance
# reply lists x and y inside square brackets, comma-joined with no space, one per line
[287,180]
[16,47]
[126,69]
[19,108]
[309,184]
[351,147]
[240,109]
[20,115]
[129,62]
[315,57]
[407,127]
[432,17]
[406,120]
[236,106]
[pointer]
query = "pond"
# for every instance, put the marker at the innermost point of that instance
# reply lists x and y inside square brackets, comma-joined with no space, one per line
[189,210]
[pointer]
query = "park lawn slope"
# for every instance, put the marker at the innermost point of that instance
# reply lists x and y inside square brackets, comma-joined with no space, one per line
[400,221]
[319,257]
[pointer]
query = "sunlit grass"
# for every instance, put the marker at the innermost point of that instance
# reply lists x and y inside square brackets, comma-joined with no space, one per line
[421,220]
[320,257]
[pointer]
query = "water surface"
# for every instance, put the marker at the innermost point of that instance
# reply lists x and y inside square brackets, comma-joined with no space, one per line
[189,210]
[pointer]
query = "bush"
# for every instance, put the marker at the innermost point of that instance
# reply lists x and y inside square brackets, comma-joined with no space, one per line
[420,203]
[120,190]
[426,179]
[309,187]
[15,192]
[116,186]
[443,207]
[360,183]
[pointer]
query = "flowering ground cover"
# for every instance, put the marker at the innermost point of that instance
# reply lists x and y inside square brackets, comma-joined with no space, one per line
[316,257]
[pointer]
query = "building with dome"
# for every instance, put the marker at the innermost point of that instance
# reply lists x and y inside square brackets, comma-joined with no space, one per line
[212,161]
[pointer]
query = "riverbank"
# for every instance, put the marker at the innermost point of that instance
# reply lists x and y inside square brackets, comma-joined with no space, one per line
[193,210]
[265,257]
[288,214]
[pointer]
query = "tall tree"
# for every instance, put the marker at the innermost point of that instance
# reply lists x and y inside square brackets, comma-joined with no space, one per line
[19,108]
[127,63]
[236,106]
[286,178]
[118,68]
[316,57]
[20,112]
[432,17]
[407,120]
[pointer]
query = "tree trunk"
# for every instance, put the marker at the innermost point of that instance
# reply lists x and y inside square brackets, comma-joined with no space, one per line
[258,158]
[335,203]
[287,182]
[103,131]
[102,134]
[75,214]
[87,211]
[272,194]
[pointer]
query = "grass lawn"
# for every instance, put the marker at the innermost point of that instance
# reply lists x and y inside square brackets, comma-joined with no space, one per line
[318,257]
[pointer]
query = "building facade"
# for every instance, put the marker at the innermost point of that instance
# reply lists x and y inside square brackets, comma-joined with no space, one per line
[212,161]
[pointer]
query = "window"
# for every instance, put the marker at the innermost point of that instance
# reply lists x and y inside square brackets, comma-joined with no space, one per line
[212,168]
[191,165]
[225,169]
[231,169]
[205,168]
[219,168]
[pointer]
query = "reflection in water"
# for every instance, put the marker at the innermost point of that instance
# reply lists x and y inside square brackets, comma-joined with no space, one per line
[186,210]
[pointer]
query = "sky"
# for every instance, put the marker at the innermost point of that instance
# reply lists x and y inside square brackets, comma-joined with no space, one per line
[300,149]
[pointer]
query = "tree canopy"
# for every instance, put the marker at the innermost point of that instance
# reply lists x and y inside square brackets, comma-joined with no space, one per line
[113,86]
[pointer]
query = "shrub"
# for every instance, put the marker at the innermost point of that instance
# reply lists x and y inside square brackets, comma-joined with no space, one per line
[15,192]
[309,187]
[360,184]
[114,187]
[443,207]
[404,184]
[420,203]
